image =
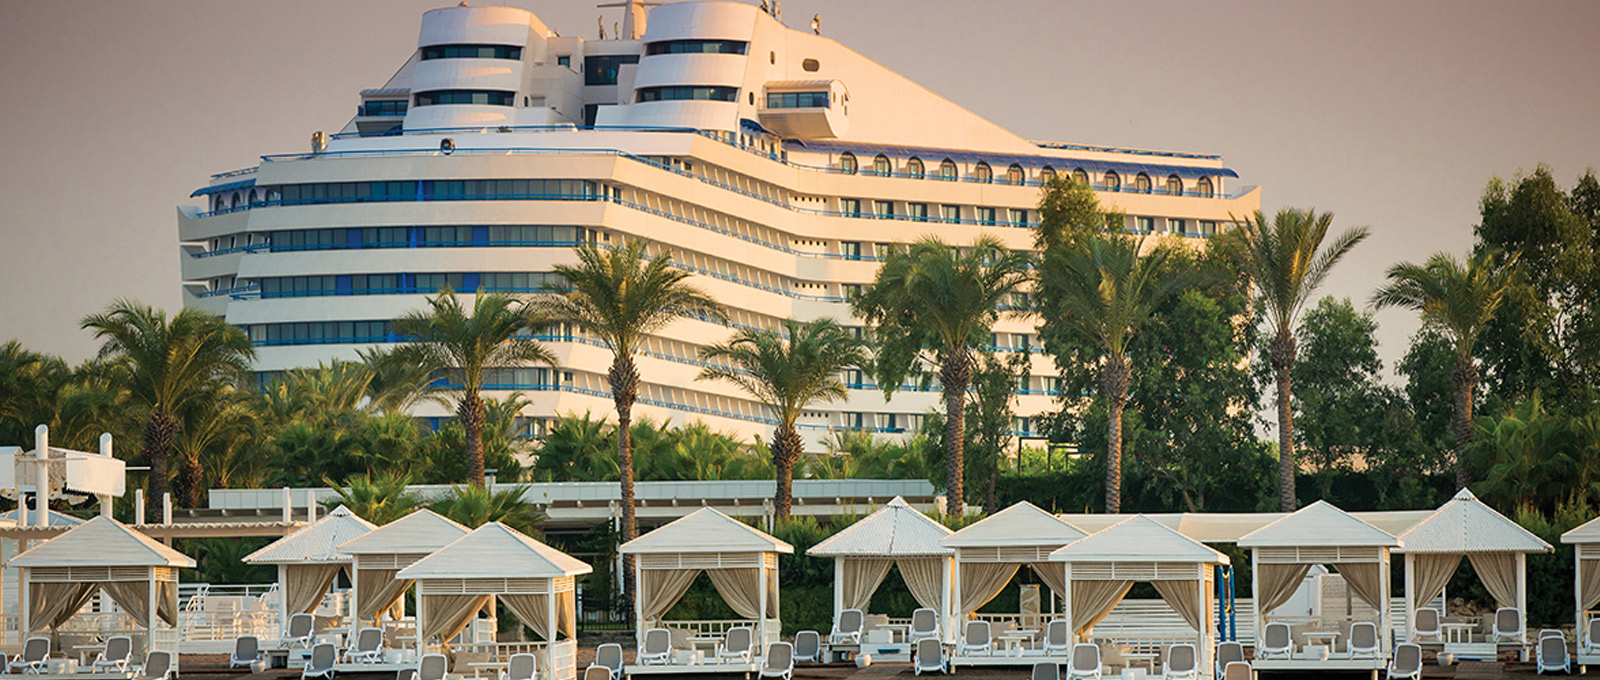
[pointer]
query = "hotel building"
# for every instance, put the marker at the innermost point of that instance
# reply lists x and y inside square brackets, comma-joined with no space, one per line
[775,164]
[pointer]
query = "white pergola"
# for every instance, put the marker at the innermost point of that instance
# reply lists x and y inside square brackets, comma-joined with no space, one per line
[1097,572]
[1464,527]
[741,561]
[140,574]
[989,552]
[1281,553]
[378,556]
[1585,542]
[895,535]
[309,561]
[495,563]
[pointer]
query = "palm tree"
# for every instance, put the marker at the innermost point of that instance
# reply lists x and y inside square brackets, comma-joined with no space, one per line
[1459,299]
[787,372]
[475,506]
[623,297]
[466,347]
[1287,261]
[167,365]
[380,500]
[1105,290]
[937,299]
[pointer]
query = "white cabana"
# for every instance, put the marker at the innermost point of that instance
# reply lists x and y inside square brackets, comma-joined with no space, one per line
[896,535]
[1496,546]
[496,563]
[378,556]
[1097,572]
[309,561]
[741,561]
[140,574]
[1281,553]
[989,552]
[1585,542]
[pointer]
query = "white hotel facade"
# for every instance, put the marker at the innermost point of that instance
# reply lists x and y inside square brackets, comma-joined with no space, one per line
[774,163]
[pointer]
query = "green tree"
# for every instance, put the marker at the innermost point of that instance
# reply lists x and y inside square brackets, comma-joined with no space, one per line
[30,383]
[466,347]
[473,506]
[989,428]
[788,371]
[623,296]
[1106,291]
[380,498]
[166,364]
[1286,261]
[1458,299]
[503,447]
[576,449]
[934,302]
[1069,212]
[396,385]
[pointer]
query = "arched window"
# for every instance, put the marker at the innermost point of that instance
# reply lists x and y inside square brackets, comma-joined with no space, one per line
[881,166]
[1203,187]
[847,163]
[255,196]
[982,173]
[238,199]
[1113,181]
[947,170]
[1141,183]
[1080,176]
[216,202]
[914,167]
[1175,185]
[1015,175]
[1047,175]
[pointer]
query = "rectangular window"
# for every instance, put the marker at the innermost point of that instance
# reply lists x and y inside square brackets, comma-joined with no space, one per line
[851,250]
[697,47]
[986,216]
[682,92]
[1208,228]
[797,100]
[564,60]
[1177,226]
[1145,225]
[480,97]
[882,250]
[850,206]
[602,69]
[883,209]
[950,213]
[471,52]
[1018,217]
[917,211]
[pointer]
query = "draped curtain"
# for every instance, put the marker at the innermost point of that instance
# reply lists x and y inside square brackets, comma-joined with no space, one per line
[1184,598]
[924,577]
[377,591]
[1276,583]
[533,610]
[981,581]
[662,588]
[305,584]
[1498,572]
[859,578]
[447,615]
[1054,575]
[1432,571]
[741,589]
[134,598]
[51,604]
[1093,600]
[167,602]
[1366,581]
[1589,584]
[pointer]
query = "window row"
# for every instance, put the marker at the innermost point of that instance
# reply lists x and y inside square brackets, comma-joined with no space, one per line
[471,52]
[479,97]
[1016,174]
[921,212]
[1174,225]
[797,100]
[716,93]
[697,47]
[383,107]
[436,190]
[407,283]
[428,237]
[319,332]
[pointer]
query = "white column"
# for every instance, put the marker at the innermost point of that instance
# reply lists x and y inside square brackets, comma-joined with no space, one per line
[1259,616]
[138,506]
[1578,633]
[24,602]
[41,476]
[150,618]
[422,610]
[1411,606]
[947,615]
[288,507]
[355,599]
[283,602]
[105,499]
[838,595]
[1208,621]
[957,621]
[1522,599]
[1066,602]
[311,505]
[555,629]
[638,605]
[761,606]
[1385,613]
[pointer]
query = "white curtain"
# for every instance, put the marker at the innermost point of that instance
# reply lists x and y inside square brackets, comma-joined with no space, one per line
[167,602]
[533,610]
[305,584]
[1093,600]
[133,597]
[981,581]
[1054,575]
[1184,598]
[51,604]
[377,591]
[924,577]
[740,588]
[1276,583]
[445,616]
[1498,572]
[1432,571]
[859,578]
[1366,581]
[1589,570]
[662,588]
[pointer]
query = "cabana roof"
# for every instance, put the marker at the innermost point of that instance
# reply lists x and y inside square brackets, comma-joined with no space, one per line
[317,542]
[1465,525]
[1138,539]
[418,533]
[1319,524]
[102,542]
[495,550]
[705,531]
[1023,524]
[1588,532]
[895,530]
[56,519]
[1229,527]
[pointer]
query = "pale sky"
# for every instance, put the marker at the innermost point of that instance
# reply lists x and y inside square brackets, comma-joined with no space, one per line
[1392,115]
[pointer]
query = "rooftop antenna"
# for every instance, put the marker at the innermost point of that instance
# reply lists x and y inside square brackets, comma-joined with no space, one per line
[816,24]
[633,17]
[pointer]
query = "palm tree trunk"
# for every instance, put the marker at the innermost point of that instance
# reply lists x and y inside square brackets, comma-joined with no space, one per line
[1281,354]
[624,380]
[188,489]
[160,433]
[1114,378]
[786,449]
[473,413]
[1464,377]
[956,373]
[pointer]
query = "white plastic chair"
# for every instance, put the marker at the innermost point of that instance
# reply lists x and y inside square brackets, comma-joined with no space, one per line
[924,624]
[34,652]
[1427,625]
[1364,640]
[847,628]
[1591,639]
[1551,653]
[1407,662]
[1181,663]
[808,646]
[609,657]
[1237,670]
[779,661]
[975,640]
[929,657]
[116,655]
[657,648]
[323,656]
[157,666]
[246,651]
[1276,644]
[368,647]
[1056,639]
[1507,625]
[302,631]
[432,667]
[735,646]
[1085,662]
[1045,670]
[594,672]
[1228,652]
[522,666]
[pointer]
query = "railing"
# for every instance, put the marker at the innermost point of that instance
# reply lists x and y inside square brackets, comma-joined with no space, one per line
[241,172]
[235,292]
